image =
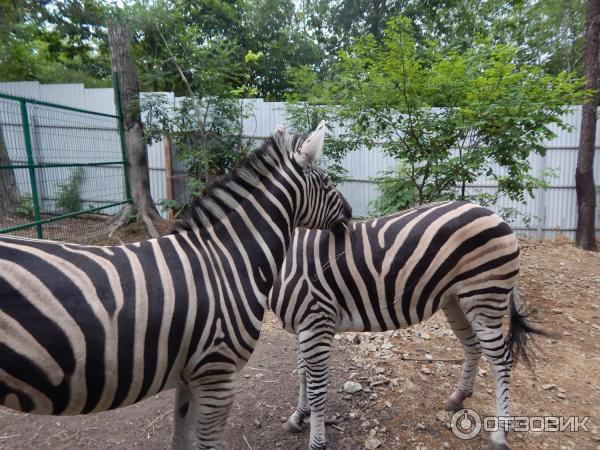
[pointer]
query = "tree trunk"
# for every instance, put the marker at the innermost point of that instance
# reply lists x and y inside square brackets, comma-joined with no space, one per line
[119,40]
[9,194]
[584,173]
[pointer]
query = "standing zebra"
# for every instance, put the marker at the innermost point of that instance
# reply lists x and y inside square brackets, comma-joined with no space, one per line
[396,271]
[86,329]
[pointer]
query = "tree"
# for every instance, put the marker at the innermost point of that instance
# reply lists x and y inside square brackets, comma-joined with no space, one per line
[9,194]
[120,38]
[448,116]
[54,41]
[585,236]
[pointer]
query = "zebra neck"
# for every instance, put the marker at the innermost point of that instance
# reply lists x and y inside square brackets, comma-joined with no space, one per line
[250,241]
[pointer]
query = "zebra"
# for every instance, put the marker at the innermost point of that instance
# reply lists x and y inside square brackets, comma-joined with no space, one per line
[85,329]
[395,271]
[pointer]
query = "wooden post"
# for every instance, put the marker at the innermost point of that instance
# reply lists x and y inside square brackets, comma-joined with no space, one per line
[169,173]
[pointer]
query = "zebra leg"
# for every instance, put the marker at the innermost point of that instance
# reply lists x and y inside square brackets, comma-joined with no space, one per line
[213,397]
[467,337]
[315,346]
[183,418]
[296,421]
[487,324]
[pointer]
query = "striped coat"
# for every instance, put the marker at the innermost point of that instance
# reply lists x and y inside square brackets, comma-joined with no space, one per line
[86,329]
[396,271]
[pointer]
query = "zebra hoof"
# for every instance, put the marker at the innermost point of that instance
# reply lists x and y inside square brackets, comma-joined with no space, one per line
[498,446]
[291,427]
[451,405]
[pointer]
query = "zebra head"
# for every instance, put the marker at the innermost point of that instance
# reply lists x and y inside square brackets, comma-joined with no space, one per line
[321,205]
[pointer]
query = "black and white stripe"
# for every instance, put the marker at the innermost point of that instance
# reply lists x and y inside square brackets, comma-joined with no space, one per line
[86,329]
[396,271]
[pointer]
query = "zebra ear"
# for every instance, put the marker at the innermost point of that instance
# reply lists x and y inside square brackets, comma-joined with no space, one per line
[311,149]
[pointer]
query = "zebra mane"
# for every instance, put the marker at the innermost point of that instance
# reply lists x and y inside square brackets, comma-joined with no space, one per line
[216,201]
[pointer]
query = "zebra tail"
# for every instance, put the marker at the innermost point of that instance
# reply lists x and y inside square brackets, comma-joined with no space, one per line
[520,330]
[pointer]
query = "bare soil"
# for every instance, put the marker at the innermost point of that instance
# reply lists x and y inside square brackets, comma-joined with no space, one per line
[559,281]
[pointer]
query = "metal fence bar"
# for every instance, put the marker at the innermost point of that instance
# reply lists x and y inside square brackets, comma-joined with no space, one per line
[30,163]
[54,165]
[117,89]
[61,217]
[55,105]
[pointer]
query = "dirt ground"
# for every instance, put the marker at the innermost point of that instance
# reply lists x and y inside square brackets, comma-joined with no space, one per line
[406,376]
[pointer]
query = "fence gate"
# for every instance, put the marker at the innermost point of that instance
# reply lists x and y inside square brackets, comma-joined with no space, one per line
[62,169]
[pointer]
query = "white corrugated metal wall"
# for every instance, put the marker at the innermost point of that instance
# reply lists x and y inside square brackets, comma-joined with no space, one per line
[552,210]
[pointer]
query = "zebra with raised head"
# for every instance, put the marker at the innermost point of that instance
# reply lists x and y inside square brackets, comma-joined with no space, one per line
[86,329]
[395,271]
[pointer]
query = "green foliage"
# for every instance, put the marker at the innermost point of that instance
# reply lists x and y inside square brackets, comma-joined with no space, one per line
[448,117]
[54,41]
[306,106]
[205,132]
[165,205]
[68,192]
[26,208]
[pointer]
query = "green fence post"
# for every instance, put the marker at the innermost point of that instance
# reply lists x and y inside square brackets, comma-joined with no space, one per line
[117,90]
[30,163]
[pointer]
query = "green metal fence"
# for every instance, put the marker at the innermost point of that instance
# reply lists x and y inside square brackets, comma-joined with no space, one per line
[62,169]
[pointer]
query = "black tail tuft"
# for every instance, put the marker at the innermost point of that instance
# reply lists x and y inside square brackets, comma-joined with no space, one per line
[520,331]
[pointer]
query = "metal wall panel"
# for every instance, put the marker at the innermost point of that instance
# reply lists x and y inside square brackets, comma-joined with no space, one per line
[551,211]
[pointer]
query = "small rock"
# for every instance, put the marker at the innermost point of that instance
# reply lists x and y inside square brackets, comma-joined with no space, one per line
[387,345]
[557,311]
[257,423]
[353,415]
[372,432]
[246,376]
[378,380]
[425,370]
[352,387]
[444,416]
[372,443]
[548,386]
[561,396]
[421,426]
[561,390]
[425,336]
[283,419]
[388,404]
[428,357]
